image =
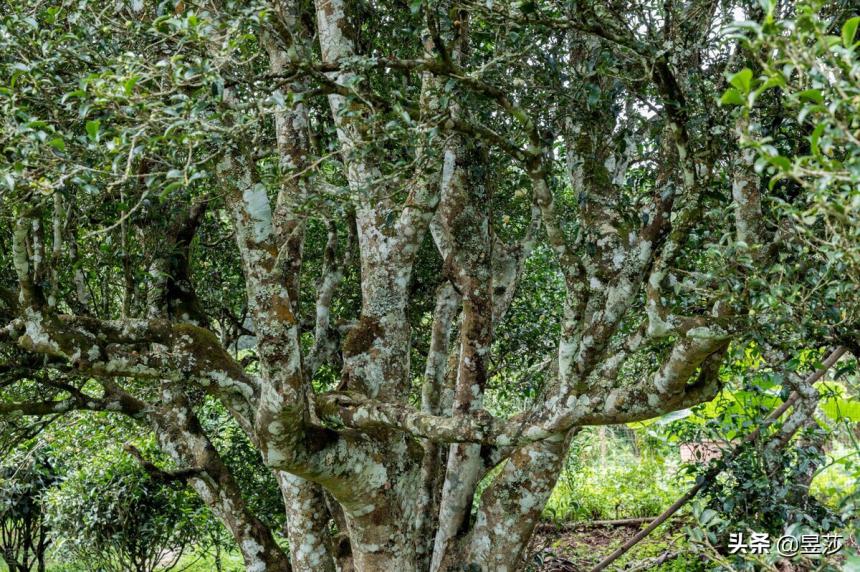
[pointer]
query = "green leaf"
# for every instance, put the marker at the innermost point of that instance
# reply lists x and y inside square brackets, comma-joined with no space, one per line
[780,162]
[128,85]
[732,97]
[415,6]
[812,95]
[75,93]
[839,408]
[57,143]
[742,80]
[849,30]
[170,188]
[772,81]
[813,139]
[93,129]
[706,517]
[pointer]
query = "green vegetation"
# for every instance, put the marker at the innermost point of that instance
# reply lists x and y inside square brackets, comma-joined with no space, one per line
[611,476]
[421,286]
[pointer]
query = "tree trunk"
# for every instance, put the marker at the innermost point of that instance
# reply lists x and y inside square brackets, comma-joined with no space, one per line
[307,524]
[382,540]
[180,435]
[512,504]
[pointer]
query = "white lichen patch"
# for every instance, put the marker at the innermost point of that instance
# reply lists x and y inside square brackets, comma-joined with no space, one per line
[259,212]
[253,553]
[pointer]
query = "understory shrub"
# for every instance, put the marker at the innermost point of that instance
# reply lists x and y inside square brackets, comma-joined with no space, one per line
[114,517]
[607,477]
[25,476]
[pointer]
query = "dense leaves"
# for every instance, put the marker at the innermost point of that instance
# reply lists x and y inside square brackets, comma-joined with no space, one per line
[25,479]
[348,260]
[113,516]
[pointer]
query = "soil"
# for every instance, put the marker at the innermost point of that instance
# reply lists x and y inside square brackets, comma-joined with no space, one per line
[572,548]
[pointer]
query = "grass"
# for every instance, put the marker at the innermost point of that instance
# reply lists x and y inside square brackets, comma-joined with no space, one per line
[612,481]
[230,562]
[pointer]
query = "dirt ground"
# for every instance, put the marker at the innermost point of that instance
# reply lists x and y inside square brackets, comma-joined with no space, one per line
[572,548]
[577,549]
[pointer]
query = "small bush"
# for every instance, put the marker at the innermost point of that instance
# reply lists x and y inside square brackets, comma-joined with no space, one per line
[113,517]
[25,476]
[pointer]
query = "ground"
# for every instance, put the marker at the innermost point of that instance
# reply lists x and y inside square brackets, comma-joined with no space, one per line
[571,548]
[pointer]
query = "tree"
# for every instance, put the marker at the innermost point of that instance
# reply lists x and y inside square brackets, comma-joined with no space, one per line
[115,517]
[25,477]
[326,217]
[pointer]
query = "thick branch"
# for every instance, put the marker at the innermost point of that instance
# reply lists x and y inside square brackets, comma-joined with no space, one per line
[146,349]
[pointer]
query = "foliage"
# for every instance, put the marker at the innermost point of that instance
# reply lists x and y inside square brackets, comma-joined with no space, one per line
[799,106]
[258,484]
[799,101]
[526,340]
[762,488]
[837,483]
[287,319]
[114,517]
[605,478]
[25,478]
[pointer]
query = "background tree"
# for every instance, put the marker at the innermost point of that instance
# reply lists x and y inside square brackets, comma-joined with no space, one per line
[114,516]
[24,534]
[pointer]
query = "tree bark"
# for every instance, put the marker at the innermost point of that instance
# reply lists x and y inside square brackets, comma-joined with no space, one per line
[179,434]
[512,504]
[307,524]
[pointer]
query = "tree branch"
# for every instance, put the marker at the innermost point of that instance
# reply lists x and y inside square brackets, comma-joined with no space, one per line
[161,475]
[705,480]
[146,349]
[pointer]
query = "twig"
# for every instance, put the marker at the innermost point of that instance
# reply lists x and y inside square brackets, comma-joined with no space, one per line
[706,479]
[651,563]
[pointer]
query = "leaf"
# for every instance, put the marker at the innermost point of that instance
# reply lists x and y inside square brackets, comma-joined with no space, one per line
[780,162]
[415,6]
[849,30]
[674,416]
[773,81]
[732,97]
[839,408]
[813,139]
[93,129]
[128,85]
[57,143]
[812,95]
[75,93]
[774,180]
[707,516]
[831,41]
[170,188]
[742,80]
